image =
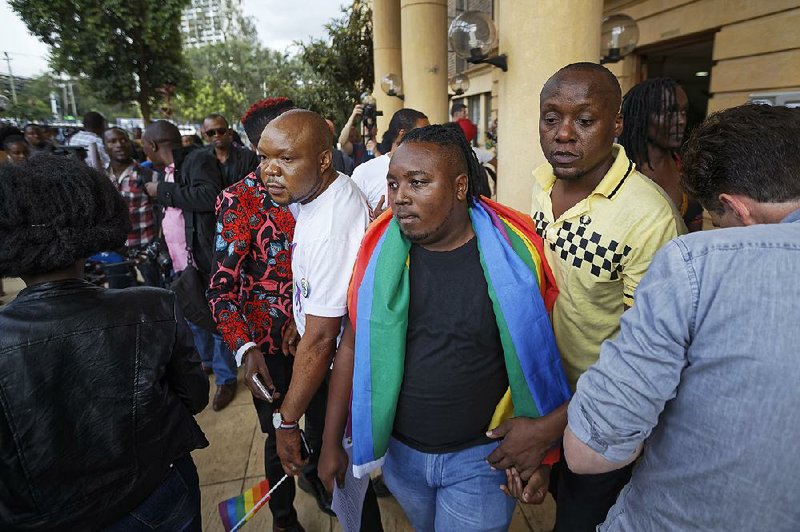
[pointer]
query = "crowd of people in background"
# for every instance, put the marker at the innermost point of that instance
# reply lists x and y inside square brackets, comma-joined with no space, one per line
[479,356]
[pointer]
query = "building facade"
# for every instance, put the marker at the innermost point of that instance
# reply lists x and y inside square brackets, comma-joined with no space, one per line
[209,21]
[724,53]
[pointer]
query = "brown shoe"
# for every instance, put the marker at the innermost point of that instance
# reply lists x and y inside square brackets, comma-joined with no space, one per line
[224,396]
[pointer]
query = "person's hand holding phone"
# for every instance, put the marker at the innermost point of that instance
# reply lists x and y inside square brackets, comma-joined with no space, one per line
[256,370]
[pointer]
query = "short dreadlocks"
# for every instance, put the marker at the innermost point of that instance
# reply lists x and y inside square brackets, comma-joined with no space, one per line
[451,136]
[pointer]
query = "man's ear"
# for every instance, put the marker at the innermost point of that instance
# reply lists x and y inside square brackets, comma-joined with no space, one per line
[400,134]
[325,160]
[462,185]
[741,207]
[619,125]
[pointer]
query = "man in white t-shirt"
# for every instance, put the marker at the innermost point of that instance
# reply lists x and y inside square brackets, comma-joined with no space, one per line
[91,138]
[332,216]
[371,175]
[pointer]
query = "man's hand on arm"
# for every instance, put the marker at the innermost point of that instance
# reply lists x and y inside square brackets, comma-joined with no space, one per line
[526,441]
[312,360]
[531,492]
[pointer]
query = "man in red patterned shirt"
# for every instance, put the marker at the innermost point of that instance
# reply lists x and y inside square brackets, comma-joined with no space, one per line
[251,293]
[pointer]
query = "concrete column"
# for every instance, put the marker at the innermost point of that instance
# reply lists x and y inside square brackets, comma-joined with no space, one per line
[539,38]
[386,56]
[424,38]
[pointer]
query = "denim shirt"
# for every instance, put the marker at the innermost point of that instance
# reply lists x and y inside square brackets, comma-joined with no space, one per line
[706,372]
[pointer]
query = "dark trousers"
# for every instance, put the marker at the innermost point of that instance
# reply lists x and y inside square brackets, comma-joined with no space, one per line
[282,502]
[371,512]
[583,501]
[173,506]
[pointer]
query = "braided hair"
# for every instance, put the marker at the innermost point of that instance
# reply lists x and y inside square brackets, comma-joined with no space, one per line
[450,136]
[261,113]
[648,98]
[54,211]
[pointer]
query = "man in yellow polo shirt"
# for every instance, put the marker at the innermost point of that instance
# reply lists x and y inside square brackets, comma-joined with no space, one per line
[601,222]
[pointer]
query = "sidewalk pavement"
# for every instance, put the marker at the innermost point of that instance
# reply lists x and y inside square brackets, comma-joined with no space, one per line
[235,462]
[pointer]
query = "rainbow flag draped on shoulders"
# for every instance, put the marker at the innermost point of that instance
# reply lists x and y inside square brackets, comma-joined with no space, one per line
[522,291]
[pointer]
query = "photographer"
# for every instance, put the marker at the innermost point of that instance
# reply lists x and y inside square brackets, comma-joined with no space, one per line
[358,136]
[129,179]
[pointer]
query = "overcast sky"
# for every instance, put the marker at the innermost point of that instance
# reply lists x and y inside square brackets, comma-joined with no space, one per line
[279,23]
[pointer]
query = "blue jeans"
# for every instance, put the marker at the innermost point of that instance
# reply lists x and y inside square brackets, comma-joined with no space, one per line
[214,353]
[448,492]
[173,506]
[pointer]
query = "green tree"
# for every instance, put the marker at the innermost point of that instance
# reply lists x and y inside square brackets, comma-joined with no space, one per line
[327,75]
[342,63]
[33,100]
[208,96]
[231,75]
[126,49]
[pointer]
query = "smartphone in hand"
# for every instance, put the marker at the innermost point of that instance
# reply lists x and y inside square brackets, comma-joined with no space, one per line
[261,387]
[305,450]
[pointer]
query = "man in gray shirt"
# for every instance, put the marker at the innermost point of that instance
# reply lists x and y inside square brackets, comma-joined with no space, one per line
[702,380]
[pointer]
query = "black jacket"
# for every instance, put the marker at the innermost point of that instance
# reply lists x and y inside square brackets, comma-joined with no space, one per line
[241,163]
[198,181]
[98,389]
[342,162]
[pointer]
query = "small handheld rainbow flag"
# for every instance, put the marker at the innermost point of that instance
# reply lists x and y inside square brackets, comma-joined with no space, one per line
[237,511]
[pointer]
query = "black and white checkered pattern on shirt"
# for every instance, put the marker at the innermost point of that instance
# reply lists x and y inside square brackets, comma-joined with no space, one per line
[583,248]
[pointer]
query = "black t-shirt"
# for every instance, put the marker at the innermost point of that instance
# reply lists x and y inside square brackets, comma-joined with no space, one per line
[454,369]
[240,163]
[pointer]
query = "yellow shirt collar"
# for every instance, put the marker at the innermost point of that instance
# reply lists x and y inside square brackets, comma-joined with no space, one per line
[607,187]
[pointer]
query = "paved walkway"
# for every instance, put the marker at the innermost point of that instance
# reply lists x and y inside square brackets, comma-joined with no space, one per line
[235,461]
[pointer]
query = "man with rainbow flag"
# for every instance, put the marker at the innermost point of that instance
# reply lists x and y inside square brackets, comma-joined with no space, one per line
[449,335]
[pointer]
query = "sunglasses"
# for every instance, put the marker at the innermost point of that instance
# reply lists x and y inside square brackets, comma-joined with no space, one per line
[218,131]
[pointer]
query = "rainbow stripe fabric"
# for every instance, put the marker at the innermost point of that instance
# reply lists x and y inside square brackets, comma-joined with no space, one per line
[522,291]
[232,511]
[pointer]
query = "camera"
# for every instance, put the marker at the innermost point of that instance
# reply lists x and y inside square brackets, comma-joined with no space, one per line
[153,252]
[370,115]
[370,118]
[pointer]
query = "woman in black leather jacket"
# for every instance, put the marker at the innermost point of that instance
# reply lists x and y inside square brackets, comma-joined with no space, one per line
[98,388]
